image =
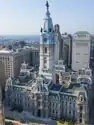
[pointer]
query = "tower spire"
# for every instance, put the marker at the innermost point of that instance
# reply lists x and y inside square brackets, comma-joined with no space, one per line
[47,5]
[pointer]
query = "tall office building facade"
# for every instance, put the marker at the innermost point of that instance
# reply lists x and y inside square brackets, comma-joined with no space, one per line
[12,61]
[2,78]
[80,50]
[34,57]
[66,48]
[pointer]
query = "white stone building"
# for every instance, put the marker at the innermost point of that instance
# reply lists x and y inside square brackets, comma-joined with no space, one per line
[45,96]
[80,50]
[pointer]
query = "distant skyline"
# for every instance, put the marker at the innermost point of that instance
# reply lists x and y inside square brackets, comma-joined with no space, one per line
[25,17]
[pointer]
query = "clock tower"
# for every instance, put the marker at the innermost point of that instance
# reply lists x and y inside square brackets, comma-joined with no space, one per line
[47,45]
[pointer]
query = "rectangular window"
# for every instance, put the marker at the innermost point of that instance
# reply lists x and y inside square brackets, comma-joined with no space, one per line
[69,112]
[80,115]
[74,113]
[85,53]
[45,61]
[77,53]
[77,62]
[86,62]
[45,66]
[80,120]
[8,58]
[45,49]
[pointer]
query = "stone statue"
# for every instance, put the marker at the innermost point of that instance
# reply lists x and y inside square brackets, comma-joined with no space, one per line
[47,5]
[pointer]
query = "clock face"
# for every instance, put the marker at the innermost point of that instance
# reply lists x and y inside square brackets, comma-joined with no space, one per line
[45,39]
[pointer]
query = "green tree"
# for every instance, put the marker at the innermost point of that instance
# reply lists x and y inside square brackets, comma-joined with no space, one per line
[8,123]
[70,123]
[61,121]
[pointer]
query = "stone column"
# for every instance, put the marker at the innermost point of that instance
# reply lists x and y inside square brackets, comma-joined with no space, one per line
[35,105]
[41,112]
[35,110]
[46,112]
[77,115]
[85,114]
[60,78]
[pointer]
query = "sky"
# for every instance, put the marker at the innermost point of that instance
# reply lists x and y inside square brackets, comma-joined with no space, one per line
[25,17]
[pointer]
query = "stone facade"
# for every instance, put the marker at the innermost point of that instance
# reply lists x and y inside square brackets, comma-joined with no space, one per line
[45,99]
[51,94]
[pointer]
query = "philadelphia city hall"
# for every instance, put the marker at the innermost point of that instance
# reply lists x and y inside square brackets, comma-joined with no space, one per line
[52,93]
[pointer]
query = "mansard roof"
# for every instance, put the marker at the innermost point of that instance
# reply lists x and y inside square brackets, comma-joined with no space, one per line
[71,89]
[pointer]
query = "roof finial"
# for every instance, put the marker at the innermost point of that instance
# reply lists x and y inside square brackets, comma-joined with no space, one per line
[47,5]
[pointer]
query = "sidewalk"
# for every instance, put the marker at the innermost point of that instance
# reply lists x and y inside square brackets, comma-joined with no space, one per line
[14,121]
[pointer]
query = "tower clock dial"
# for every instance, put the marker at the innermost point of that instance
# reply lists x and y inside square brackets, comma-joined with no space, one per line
[45,39]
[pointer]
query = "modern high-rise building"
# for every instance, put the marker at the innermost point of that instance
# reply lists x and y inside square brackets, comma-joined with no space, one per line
[2,78]
[34,56]
[80,50]
[66,49]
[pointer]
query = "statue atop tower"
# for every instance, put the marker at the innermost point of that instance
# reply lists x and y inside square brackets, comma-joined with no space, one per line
[48,25]
[47,5]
